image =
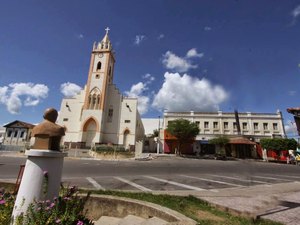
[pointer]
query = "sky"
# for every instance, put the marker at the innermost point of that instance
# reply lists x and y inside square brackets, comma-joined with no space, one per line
[173,55]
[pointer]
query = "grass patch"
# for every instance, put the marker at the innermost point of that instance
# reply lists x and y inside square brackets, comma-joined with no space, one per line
[191,207]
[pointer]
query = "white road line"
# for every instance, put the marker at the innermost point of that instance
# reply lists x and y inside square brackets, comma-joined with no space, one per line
[243,180]
[142,188]
[177,184]
[214,181]
[272,178]
[95,184]
[284,176]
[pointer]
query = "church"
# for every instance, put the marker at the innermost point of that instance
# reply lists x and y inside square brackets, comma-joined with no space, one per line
[100,114]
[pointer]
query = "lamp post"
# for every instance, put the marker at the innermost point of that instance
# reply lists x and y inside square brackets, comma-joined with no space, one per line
[157,148]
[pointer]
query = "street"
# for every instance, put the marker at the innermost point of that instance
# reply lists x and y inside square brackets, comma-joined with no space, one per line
[164,174]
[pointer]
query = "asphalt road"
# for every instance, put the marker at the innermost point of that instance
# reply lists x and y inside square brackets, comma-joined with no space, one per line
[164,174]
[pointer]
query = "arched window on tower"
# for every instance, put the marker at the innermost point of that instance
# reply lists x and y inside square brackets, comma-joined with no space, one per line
[99,66]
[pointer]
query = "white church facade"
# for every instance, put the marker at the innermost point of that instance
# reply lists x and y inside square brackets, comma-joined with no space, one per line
[100,114]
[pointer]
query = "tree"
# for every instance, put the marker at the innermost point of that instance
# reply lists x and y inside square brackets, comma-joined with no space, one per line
[278,143]
[221,141]
[183,130]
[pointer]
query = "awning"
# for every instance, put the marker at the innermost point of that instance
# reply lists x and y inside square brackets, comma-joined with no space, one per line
[241,141]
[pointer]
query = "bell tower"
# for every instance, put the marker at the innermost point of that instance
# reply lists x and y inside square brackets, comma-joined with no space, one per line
[100,74]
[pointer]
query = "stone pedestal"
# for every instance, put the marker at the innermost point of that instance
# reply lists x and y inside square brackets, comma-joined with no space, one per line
[35,185]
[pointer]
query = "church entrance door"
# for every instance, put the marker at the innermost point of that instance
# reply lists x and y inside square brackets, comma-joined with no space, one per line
[89,133]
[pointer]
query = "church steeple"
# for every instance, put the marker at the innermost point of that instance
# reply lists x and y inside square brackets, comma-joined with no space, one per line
[105,44]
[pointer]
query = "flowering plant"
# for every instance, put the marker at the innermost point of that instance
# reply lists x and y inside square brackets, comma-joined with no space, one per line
[67,209]
[7,201]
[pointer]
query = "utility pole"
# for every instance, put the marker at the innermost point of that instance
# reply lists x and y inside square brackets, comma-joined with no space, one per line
[157,148]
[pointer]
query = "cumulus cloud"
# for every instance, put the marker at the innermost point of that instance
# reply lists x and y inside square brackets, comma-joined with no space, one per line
[138,39]
[290,128]
[139,90]
[136,91]
[180,64]
[15,95]
[193,53]
[185,93]
[70,89]
[149,78]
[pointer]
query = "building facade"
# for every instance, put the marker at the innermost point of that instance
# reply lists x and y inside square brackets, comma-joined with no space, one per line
[99,113]
[253,127]
[17,133]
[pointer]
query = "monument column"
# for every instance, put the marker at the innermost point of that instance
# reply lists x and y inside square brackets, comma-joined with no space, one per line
[43,169]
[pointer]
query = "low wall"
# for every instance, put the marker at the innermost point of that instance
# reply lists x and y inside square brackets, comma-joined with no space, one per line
[111,155]
[103,205]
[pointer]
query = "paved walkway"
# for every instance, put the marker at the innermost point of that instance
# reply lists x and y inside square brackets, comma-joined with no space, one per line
[279,202]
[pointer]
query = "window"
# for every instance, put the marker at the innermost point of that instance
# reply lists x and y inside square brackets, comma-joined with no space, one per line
[127,121]
[234,126]
[97,76]
[9,133]
[206,124]
[22,134]
[225,125]
[244,126]
[197,122]
[265,126]
[110,115]
[255,125]
[215,124]
[65,119]
[275,126]
[99,66]
[16,134]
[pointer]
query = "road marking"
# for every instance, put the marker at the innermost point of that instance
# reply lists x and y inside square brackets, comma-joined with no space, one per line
[95,184]
[243,180]
[284,176]
[272,178]
[176,184]
[142,188]
[214,181]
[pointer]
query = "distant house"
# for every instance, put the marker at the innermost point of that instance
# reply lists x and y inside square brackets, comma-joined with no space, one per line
[17,133]
[2,133]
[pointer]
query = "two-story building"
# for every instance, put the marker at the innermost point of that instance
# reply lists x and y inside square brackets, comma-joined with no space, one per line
[242,129]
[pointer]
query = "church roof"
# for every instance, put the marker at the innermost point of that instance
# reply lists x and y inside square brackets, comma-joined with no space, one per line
[106,38]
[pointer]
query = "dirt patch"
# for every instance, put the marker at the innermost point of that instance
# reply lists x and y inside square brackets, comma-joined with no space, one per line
[208,216]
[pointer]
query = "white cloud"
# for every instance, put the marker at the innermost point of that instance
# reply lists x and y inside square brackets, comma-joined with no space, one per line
[180,64]
[12,95]
[137,91]
[207,28]
[193,53]
[70,89]
[185,93]
[161,36]
[173,62]
[139,38]
[149,78]
[296,11]
[290,128]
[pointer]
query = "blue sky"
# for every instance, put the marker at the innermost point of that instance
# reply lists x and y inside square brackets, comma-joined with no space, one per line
[172,54]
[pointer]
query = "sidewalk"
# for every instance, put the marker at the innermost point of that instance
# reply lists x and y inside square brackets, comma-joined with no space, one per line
[279,202]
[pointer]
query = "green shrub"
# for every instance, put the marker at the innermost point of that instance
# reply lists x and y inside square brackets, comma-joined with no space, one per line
[108,148]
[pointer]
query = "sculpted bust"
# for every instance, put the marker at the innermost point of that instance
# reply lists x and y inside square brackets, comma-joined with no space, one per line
[48,134]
